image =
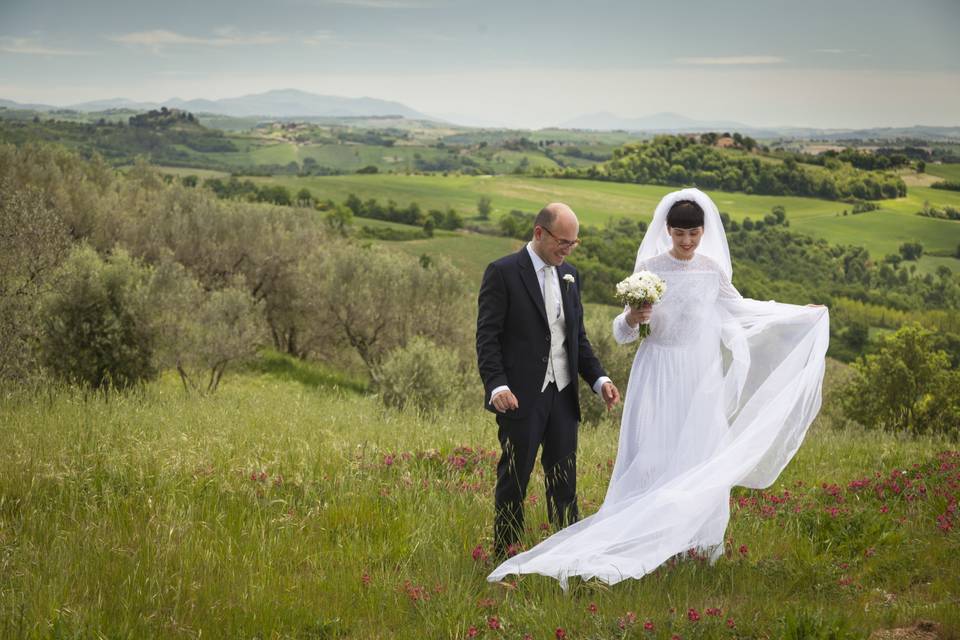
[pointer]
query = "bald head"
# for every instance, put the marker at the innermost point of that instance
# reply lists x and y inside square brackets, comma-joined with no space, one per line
[555,212]
[554,229]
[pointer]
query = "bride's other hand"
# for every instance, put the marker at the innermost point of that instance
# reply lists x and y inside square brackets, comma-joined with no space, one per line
[641,315]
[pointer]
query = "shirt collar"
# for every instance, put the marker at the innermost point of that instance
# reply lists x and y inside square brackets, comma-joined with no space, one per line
[538,263]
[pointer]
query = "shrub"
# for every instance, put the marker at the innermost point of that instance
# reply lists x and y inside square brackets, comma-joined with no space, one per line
[420,374]
[906,385]
[93,327]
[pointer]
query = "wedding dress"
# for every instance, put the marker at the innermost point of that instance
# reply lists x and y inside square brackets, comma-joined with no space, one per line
[720,394]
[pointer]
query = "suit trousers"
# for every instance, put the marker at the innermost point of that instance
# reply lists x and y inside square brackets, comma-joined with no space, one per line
[552,423]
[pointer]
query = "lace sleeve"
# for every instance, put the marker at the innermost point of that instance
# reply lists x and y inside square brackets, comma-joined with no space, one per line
[727,290]
[623,333]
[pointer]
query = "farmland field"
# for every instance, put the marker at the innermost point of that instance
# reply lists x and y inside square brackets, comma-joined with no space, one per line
[881,231]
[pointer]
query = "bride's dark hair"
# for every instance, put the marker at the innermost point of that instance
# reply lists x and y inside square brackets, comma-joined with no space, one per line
[685,214]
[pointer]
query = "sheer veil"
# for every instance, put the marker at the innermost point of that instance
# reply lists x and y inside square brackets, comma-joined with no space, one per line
[713,243]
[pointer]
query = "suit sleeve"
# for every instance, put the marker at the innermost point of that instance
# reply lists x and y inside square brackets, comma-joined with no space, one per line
[491,315]
[587,362]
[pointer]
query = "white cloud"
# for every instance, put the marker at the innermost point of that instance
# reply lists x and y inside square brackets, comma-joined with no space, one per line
[732,60]
[318,38]
[224,37]
[32,46]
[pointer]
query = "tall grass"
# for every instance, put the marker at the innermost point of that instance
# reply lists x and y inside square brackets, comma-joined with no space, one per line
[284,507]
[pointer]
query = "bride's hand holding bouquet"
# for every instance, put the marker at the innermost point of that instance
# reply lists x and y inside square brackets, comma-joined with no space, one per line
[640,291]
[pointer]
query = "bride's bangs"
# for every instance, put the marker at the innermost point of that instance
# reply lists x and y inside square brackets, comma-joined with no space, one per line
[685,214]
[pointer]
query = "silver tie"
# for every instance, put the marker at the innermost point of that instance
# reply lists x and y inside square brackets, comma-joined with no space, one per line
[549,295]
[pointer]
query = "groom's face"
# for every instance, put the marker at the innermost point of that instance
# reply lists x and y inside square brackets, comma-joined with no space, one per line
[553,245]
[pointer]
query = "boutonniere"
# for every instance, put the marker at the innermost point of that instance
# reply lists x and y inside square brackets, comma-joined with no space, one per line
[568,278]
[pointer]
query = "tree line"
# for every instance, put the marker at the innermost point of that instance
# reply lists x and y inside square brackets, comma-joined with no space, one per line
[106,280]
[682,161]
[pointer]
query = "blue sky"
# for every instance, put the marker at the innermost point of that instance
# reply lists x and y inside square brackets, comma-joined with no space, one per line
[765,63]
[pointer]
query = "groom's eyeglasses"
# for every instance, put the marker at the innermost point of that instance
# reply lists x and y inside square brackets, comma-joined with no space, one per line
[563,244]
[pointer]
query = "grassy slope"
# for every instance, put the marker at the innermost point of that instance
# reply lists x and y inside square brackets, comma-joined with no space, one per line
[257,512]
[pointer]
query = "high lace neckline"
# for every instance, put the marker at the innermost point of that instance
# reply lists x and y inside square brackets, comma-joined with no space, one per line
[680,260]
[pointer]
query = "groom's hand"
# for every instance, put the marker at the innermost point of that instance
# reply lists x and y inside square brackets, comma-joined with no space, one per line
[505,401]
[610,394]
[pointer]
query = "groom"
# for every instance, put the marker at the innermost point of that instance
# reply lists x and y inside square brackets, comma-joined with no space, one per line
[531,345]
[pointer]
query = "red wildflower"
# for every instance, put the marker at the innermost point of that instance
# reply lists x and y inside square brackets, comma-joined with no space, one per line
[693,615]
[744,550]
[713,611]
[365,578]
[631,617]
[648,625]
[560,633]
[493,622]
[472,632]
[479,554]
[730,624]
[592,608]
[513,550]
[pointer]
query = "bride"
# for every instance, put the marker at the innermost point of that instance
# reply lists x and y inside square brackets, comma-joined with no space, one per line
[721,393]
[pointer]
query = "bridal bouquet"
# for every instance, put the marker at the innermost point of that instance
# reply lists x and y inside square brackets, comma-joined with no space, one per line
[642,287]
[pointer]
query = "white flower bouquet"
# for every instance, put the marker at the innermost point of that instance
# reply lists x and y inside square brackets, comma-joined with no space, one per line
[640,288]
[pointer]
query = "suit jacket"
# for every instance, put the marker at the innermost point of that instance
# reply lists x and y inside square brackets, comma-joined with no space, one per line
[513,337]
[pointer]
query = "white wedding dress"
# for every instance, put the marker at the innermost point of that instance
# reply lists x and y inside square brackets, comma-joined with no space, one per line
[720,394]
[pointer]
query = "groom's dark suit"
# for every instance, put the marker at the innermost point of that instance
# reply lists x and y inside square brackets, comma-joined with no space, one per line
[513,348]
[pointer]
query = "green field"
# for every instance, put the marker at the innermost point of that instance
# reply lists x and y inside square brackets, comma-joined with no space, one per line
[881,231]
[946,171]
[288,507]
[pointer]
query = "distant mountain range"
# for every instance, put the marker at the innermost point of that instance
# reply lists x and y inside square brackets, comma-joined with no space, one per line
[292,104]
[283,103]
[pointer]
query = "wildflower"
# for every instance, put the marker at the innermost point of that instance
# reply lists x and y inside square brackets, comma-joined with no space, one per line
[513,550]
[693,615]
[744,550]
[648,626]
[631,617]
[472,632]
[479,554]
[560,633]
[713,611]
[365,578]
[730,623]
[387,460]
[884,509]
[486,603]
[493,622]
[592,608]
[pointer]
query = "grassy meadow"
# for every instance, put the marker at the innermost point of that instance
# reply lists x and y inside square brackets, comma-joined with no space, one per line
[292,505]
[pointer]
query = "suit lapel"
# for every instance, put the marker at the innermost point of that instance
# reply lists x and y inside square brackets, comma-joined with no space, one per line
[566,295]
[530,281]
